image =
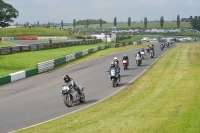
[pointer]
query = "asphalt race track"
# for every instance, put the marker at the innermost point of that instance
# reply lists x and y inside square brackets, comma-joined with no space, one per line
[37,99]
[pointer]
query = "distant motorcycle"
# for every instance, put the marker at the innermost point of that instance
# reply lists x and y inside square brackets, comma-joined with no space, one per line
[125,64]
[151,53]
[161,47]
[138,60]
[114,76]
[70,95]
[143,54]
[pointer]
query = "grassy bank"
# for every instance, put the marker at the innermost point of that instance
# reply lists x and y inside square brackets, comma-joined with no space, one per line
[10,63]
[165,99]
[128,40]
[6,44]
[34,31]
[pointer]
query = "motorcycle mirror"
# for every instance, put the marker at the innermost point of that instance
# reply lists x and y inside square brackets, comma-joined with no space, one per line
[107,70]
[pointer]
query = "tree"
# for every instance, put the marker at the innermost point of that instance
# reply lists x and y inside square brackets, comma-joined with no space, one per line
[161,21]
[87,23]
[145,22]
[7,13]
[178,20]
[17,24]
[115,21]
[38,24]
[100,22]
[129,22]
[61,24]
[195,22]
[74,23]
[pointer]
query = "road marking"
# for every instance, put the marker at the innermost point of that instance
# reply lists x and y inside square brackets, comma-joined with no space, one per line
[99,100]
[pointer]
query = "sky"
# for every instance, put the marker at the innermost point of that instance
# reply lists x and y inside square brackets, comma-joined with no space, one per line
[56,10]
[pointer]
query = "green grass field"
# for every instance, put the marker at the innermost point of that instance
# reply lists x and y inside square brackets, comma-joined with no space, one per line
[164,100]
[11,64]
[34,31]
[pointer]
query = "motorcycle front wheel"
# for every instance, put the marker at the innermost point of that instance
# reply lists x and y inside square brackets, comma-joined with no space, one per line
[113,83]
[68,102]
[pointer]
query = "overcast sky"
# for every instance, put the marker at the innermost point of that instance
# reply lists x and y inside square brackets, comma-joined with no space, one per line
[56,10]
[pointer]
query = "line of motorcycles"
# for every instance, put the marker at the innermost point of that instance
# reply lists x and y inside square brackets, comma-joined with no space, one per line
[71,96]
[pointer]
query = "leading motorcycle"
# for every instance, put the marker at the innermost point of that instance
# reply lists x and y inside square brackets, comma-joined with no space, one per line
[138,60]
[114,76]
[71,96]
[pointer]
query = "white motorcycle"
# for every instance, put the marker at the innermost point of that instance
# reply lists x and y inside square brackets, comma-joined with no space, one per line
[143,54]
[138,60]
[70,95]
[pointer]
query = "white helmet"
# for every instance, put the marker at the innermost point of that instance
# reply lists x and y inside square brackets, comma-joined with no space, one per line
[115,58]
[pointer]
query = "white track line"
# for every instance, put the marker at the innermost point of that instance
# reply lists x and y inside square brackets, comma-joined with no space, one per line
[97,101]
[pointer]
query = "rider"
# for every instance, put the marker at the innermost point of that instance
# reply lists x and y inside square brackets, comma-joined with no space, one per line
[140,55]
[67,79]
[125,57]
[152,48]
[116,62]
[113,65]
[147,48]
[142,50]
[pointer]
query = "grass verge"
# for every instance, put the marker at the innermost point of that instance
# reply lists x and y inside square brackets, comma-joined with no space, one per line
[10,63]
[165,99]
[6,44]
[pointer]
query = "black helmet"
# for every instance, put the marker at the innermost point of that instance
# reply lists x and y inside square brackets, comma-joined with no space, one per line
[66,77]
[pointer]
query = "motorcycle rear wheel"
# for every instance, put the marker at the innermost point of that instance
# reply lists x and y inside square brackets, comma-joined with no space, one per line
[82,99]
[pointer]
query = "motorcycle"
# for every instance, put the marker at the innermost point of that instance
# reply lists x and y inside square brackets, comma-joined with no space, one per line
[125,64]
[114,76]
[161,47]
[143,54]
[70,95]
[151,53]
[138,60]
[167,44]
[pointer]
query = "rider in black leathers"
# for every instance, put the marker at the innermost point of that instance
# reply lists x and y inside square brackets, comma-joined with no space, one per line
[67,79]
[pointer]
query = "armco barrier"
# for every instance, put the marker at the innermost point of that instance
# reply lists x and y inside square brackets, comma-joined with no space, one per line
[5,79]
[17,75]
[59,61]
[31,72]
[34,47]
[45,66]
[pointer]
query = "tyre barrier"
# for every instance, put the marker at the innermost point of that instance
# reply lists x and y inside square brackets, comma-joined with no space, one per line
[42,46]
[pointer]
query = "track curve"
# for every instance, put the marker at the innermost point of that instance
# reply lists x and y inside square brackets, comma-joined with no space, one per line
[37,99]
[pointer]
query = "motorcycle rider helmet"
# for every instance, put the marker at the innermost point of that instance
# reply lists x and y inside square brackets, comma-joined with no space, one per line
[66,78]
[112,64]
[125,55]
[115,58]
